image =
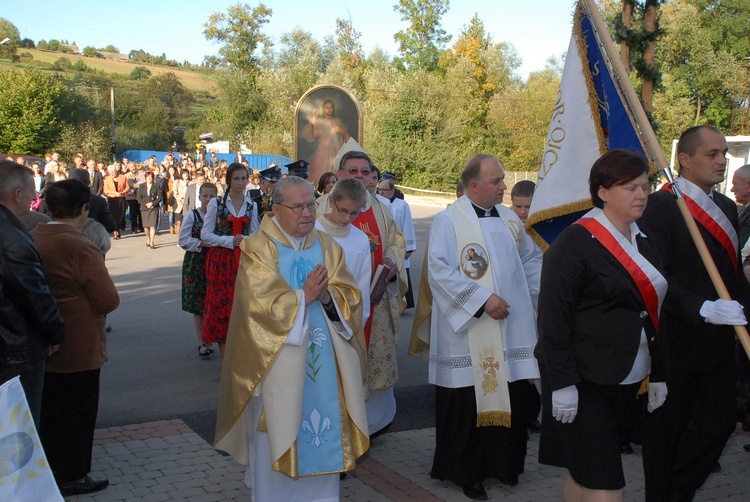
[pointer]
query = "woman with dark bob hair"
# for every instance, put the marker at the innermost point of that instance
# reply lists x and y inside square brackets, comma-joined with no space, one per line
[326,182]
[85,294]
[600,298]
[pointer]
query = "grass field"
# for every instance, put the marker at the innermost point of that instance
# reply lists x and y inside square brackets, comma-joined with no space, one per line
[192,81]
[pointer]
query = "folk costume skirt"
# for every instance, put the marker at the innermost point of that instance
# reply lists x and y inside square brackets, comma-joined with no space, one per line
[221,275]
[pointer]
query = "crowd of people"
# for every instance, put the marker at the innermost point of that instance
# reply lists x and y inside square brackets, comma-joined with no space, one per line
[615,334]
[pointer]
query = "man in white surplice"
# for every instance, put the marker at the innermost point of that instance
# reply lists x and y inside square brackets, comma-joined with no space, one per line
[481,332]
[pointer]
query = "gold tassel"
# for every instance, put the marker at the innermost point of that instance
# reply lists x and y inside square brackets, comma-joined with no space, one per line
[644,387]
[490,418]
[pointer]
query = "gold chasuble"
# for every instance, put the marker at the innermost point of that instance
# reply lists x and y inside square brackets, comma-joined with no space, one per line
[257,361]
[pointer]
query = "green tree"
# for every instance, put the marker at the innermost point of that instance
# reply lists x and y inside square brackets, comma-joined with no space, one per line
[727,21]
[9,30]
[30,105]
[90,52]
[711,77]
[140,73]
[169,89]
[239,32]
[420,44]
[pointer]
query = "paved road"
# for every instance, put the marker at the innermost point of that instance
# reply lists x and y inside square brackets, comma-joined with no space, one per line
[154,372]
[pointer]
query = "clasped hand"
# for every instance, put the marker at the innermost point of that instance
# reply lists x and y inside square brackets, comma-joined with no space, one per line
[316,285]
[496,307]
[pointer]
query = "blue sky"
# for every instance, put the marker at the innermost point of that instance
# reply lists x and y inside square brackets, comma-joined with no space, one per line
[537,28]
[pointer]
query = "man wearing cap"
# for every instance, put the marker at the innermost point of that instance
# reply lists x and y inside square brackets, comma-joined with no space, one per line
[392,177]
[268,179]
[388,249]
[299,168]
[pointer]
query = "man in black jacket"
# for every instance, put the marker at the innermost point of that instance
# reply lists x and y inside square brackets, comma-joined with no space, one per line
[685,438]
[30,324]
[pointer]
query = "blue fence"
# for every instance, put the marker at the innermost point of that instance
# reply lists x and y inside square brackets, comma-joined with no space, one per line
[255,161]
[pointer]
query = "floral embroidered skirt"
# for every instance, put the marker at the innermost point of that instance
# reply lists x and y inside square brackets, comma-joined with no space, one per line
[194,282]
[221,274]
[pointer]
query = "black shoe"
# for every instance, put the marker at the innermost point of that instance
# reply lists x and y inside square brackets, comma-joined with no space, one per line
[381,431]
[475,492]
[716,468]
[204,350]
[746,447]
[626,449]
[108,328]
[88,486]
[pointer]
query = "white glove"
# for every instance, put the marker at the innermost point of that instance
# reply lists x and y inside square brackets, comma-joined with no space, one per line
[565,404]
[657,394]
[723,312]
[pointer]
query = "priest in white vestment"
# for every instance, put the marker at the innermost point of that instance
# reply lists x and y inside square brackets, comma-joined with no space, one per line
[292,389]
[402,215]
[480,285]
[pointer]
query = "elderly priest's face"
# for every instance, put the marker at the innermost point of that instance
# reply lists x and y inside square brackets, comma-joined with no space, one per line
[296,213]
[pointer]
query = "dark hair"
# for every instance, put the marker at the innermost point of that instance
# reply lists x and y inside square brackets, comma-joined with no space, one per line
[616,167]
[690,140]
[354,155]
[324,181]
[234,166]
[81,175]
[375,169]
[524,188]
[149,173]
[65,198]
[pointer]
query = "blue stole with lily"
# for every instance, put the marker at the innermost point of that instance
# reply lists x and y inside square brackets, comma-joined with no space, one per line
[319,446]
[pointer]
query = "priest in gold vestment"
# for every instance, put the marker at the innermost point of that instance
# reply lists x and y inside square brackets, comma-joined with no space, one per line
[293,380]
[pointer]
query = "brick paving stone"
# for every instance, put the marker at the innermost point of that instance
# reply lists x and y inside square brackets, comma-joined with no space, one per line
[189,492]
[111,496]
[156,497]
[207,497]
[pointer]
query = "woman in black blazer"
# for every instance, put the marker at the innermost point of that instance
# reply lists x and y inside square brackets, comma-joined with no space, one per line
[149,196]
[600,297]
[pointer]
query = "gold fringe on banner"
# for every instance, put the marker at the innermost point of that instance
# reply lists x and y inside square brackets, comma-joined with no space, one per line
[553,212]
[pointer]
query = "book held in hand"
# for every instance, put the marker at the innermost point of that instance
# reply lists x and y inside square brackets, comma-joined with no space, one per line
[379,283]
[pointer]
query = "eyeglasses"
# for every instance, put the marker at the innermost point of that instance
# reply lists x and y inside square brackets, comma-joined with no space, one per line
[354,171]
[344,212]
[312,207]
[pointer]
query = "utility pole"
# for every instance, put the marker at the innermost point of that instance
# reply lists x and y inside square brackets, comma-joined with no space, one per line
[112,116]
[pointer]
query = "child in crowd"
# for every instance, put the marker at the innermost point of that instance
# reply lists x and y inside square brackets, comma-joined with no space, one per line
[194,264]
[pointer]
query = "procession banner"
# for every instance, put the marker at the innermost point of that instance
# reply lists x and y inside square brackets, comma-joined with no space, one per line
[24,471]
[593,114]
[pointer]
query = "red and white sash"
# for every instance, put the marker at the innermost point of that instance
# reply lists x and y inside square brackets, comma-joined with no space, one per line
[649,281]
[710,216]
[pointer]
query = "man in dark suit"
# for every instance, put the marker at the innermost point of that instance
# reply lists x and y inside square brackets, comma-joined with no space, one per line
[268,179]
[95,177]
[191,196]
[98,207]
[685,438]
